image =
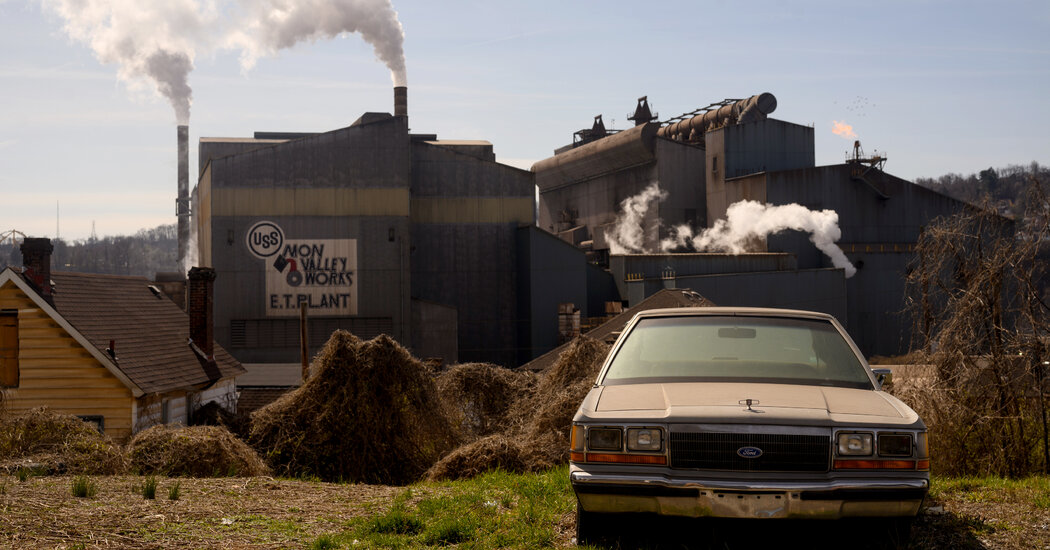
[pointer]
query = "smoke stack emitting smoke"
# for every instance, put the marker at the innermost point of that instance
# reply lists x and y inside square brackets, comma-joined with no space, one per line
[745,221]
[182,200]
[274,25]
[157,41]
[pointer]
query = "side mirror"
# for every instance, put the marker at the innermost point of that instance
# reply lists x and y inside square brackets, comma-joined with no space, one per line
[884,376]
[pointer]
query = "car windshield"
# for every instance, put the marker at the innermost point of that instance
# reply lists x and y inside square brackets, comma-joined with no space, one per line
[778,350]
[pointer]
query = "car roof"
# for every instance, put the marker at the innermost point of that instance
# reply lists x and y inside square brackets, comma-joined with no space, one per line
[741,311]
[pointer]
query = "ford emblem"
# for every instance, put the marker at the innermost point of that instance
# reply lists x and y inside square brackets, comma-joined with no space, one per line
[749,452]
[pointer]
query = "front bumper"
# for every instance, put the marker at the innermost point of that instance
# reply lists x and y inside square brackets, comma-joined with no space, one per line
[830,499]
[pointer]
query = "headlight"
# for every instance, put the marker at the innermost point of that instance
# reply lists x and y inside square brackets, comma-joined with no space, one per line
[644,439]
[604,439]
[854,444]
[894,444]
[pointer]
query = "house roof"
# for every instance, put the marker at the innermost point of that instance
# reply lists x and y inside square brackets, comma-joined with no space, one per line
[151,334]
[608,330]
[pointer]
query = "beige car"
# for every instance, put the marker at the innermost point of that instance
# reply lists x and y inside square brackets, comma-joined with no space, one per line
[744,413]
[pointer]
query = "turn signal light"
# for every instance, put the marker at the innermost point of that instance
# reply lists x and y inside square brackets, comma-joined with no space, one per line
[879,465]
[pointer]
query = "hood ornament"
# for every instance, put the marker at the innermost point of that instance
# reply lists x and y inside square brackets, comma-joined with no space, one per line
[749,402]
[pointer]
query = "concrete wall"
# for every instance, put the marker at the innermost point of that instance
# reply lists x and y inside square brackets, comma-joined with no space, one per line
[465,215]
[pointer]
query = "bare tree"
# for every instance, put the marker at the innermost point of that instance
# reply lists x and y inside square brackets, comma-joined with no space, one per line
[976,294]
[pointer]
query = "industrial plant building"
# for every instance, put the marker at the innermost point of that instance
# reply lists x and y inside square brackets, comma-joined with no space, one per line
[730,151]
[380,230]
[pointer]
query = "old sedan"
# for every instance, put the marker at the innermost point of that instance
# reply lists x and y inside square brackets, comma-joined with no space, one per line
[744,413]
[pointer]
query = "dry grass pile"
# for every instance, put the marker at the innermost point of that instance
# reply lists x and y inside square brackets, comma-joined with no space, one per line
[368,413]
[481,395]
[195,451]
[57,443]
[536,435]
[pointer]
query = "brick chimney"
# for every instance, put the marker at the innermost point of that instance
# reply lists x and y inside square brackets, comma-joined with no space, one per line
[201,283]
[36,260]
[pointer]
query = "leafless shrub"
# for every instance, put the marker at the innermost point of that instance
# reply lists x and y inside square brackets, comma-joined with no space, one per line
[981,322]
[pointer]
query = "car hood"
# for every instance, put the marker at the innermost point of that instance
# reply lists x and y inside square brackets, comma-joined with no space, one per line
[726,403]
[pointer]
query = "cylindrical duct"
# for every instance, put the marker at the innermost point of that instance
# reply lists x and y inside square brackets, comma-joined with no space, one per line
[182,201]
[747,110]
[400,100]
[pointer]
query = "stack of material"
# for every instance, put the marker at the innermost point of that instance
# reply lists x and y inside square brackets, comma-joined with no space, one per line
[195,451]
[57,443]
[536,427]
[368,413]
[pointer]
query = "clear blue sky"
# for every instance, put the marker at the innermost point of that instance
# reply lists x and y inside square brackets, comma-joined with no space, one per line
[938,86]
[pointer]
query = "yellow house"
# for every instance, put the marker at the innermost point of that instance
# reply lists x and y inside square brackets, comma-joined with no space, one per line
[113,350]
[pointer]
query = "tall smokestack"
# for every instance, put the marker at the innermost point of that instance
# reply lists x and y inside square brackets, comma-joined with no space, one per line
[400,100]
[182,202]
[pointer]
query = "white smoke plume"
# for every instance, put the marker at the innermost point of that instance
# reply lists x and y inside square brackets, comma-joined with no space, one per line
[627,235]
[748,220]
[148,41]
[274,25]
[156,42]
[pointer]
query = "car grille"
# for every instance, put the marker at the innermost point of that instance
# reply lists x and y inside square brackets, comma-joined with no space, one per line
[780,453]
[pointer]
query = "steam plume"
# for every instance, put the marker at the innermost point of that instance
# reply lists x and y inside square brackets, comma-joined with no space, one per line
[148,41]
[627,236]
[842,129]
[156,41]
[745,221]
[278,24]
[749,220]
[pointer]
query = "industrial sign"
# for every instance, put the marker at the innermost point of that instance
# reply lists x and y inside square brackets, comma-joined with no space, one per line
[319,272]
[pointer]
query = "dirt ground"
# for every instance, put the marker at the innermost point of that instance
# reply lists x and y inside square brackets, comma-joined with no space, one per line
[260,512]
[41,512]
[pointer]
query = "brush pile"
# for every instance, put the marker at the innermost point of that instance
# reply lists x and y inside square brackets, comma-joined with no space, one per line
[369,412]
[57,443]
[194,451]
[481,395]
[535,433]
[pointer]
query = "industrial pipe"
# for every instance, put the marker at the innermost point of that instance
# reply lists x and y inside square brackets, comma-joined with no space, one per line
[751,109]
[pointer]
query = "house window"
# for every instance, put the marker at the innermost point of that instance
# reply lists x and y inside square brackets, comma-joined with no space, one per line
[8,349]
[97,420]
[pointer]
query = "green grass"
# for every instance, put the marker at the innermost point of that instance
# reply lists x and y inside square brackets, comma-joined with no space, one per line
[175,490]
[495,510]
[1033,490]
[149,488]
[83,487]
